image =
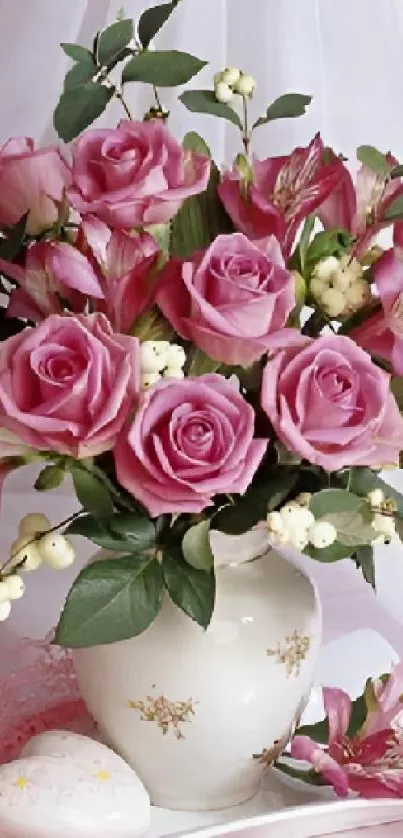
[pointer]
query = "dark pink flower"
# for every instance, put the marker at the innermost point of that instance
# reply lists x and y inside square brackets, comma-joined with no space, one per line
[32,181]
[382,333]
[124,264]
[136,174]
[229,300]
[369,763]
[190,439]
[328,402]
[361,208]
[283,191]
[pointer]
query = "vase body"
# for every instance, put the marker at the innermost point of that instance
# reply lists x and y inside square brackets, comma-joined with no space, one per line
[198,714]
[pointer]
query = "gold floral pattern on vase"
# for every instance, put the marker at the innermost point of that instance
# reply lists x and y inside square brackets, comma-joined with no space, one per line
[167,715]
[291,652]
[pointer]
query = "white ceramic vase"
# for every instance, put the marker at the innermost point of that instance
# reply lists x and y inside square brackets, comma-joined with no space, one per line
[199,714]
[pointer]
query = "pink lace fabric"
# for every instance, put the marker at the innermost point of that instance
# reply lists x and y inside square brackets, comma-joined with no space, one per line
[39,693]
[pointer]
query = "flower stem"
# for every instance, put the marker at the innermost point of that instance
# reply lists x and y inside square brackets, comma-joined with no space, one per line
[157,98]
[245,131]
[119,95]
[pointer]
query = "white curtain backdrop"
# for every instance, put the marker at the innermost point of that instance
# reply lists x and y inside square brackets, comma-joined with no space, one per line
[347,53]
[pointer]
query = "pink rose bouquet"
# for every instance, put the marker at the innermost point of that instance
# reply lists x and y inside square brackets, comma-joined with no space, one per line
[200,348]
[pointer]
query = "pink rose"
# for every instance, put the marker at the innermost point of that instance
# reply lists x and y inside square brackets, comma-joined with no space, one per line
[134,175]
[68,384]
[283,191]
[190,440]
[124,264]
[329,403]
[229,300]
[382,334]
[31,182]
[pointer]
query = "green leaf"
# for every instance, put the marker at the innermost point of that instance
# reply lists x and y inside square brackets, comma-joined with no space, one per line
[285,107]
[196,547]
[111,600]
[192,141]
[193,591]
[91,493]
[255,504]
[123,531]
[12,244]
[394,210]
[113,40]
[332,242]
[334,553]
[350,515]
[78,53]
[200,364]
[78,108]
[50,478]
[204,101]
[305,239]
[358,716]
[152,20]
[364,480]
[365,561]
[201,218]
[374,160]
[163,69]
[397,171]
[79,75]
[319,732]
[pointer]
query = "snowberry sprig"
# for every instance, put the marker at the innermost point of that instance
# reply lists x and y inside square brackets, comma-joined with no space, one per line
[339,286]
[160,359]
[295,524]
[231,82]
[37,543]
[383,521]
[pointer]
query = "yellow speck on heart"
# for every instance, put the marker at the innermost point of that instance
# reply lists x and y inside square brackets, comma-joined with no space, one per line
[103,776]
[22,782]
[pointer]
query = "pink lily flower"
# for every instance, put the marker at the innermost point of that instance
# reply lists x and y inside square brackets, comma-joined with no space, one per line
[360,208]
[283,191]
[369,763]
[382,334]
[53,271]
[124,263]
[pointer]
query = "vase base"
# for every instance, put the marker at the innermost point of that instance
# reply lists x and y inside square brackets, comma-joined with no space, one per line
[212,804]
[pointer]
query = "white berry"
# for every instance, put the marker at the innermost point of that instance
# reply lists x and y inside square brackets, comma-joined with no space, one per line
[341,280]
[298,538]
[56,551]
[25,552]
[275,522]
[176,356]
[305,518]
[325,269]
[318,287]
[358,294]
[322,534]
[4,595]
[245,86]
[15,586]
[376,498]
[173,372]
[384,525]
[223,93]
[333,302]
[149,379]
[152,356]
[230,76]
[5,610]
[34,523]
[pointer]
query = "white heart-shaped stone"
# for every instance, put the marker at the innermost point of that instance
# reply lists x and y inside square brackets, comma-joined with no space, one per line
[70,786]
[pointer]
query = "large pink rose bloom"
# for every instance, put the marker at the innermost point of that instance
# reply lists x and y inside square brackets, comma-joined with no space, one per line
[32,181]
[68,384]
[190,440]
[134,175]
[382,334]
[230,300]
[329,403]
[283,191]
